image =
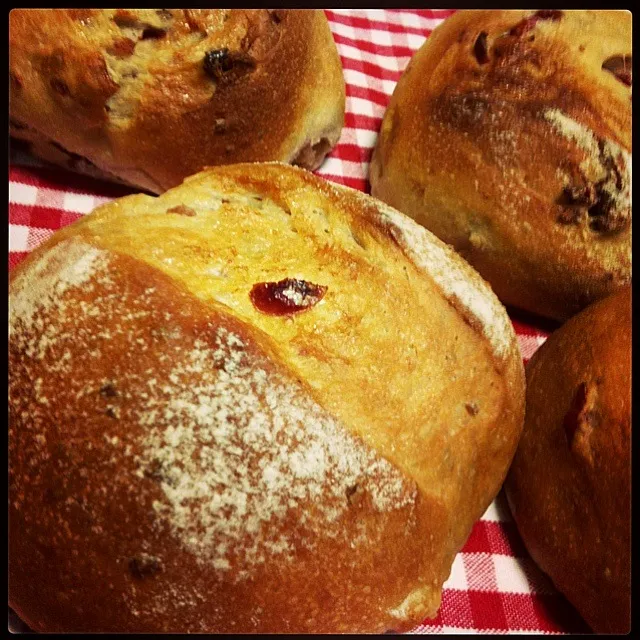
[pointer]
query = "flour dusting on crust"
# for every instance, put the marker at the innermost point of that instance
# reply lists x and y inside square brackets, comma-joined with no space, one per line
[68,264]
[600,156]
[243,449]
[239,463]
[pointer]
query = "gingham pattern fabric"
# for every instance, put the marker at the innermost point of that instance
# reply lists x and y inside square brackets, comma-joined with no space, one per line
[494,587]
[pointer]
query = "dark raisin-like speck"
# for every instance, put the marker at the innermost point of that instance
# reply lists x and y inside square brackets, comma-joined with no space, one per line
[227,66]
[286,297]
[108,390]
[480,48]
[144,566]
[152,33]
[60,87]
[620,67]
[217,62]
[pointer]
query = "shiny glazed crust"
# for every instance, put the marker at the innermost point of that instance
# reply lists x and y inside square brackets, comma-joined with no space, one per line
[569,487]
[185,457]
[509,137]
[151,96]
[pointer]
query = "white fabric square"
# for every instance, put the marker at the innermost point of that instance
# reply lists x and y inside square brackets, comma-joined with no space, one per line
[18,236]
[78,202]
[22,193]
[510,576]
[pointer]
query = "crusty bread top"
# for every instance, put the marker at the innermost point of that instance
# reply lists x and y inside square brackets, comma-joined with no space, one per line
[153,95]
[406,350]
[550,77]
[228,228]
[509,136]
[182,474]
[217,372]
[461,284]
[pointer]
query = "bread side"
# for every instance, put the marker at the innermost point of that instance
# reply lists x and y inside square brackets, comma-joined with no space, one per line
[570,482]
[510,138]
[152,96]
[184,476]
[373,337]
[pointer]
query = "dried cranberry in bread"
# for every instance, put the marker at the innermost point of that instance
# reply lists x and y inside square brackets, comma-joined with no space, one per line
[259,402]
[151,96]
[509,137]
[570,483]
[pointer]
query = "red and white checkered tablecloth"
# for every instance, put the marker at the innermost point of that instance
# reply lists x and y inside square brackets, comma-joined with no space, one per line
[494,586]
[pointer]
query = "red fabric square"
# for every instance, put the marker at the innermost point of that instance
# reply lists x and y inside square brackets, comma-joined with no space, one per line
[455,610]
[487,611]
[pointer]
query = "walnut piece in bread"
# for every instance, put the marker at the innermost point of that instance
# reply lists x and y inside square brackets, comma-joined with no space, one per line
[569,487]
[243,406]
[150,96]
[509,137]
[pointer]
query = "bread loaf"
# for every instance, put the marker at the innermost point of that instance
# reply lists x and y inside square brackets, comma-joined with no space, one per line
[151,96]
[570,484]
[509,137]
[257,403]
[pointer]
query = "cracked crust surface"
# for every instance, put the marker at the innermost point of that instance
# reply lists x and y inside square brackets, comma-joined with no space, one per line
[509,137]
[153,95]
[307,471]
[569,486]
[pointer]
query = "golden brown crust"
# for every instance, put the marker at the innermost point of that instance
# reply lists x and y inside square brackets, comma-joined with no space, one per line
[396,411]
[570,483]
[152,96]
[508,139]
[88,520]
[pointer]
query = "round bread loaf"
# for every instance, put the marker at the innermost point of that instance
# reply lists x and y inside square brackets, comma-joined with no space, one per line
[569,487]
[259,402]
[509,137]
[151,96]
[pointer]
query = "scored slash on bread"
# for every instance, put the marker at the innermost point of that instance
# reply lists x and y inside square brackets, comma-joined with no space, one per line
[307,471]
